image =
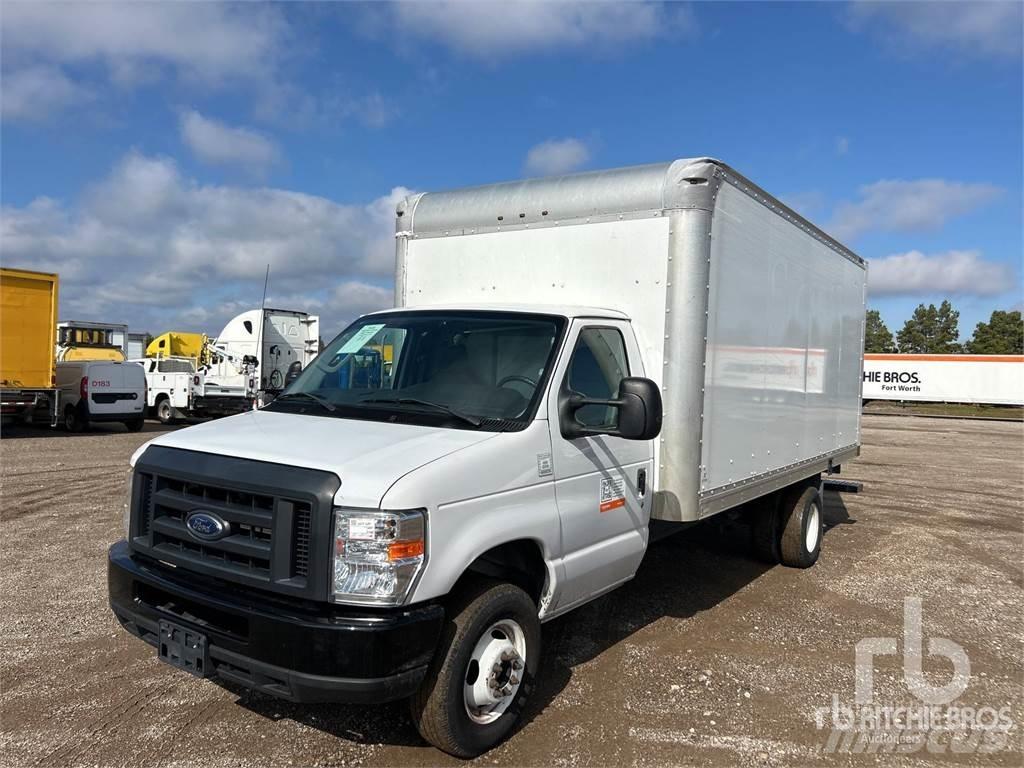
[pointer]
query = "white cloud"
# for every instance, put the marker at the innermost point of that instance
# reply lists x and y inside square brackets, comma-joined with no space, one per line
[894,205]
[842,145]
[949,274]
[35,92]
[155,249]
[490,30]
[556,156]
[207,43]
[973,28]
[216,143]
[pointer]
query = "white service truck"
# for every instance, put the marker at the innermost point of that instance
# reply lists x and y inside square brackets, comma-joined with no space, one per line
[177,389]
[568,360]
[101,391]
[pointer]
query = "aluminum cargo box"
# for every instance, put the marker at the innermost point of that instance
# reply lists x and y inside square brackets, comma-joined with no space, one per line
[750,318]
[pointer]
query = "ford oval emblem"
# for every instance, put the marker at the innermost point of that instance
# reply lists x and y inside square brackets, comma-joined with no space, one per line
[206,525]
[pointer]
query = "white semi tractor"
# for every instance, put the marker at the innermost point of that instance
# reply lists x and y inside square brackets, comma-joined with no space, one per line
[569,359]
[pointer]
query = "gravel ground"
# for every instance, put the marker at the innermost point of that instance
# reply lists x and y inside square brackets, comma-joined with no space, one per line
[705,658]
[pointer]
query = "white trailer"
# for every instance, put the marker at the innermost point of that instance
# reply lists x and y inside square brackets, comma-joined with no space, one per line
[984,379]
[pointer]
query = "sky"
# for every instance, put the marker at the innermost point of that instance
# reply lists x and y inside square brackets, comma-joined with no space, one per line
[160,155]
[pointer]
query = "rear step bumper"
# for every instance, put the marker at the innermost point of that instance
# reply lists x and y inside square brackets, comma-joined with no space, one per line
[306,653]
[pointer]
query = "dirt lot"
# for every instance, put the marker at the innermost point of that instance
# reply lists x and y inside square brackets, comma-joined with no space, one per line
[706,657]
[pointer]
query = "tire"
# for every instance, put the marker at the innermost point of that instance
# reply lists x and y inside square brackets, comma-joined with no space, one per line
[801,523]
[164,410]
[74,421]
[135,425]
[764,533]
[441,707]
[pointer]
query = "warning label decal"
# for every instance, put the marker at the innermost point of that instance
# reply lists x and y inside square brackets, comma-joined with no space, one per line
[613,493]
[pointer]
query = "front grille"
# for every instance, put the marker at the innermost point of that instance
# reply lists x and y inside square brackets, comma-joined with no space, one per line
[255,522]
[300,542]
[277,519]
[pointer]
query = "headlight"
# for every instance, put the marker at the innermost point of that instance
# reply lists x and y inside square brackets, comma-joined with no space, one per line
[128,487]
[377,555]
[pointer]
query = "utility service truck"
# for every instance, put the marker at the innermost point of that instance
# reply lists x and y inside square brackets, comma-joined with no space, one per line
[569,359]
[28,321]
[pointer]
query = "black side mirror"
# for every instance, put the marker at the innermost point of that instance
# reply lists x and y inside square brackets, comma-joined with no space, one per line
[638,404]
[293,372]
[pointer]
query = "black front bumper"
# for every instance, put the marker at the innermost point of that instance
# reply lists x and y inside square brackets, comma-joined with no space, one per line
[295,650]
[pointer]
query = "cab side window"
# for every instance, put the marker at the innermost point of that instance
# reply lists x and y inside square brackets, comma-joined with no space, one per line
[598,365]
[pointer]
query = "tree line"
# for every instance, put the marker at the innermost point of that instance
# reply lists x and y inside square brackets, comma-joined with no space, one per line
[934,330]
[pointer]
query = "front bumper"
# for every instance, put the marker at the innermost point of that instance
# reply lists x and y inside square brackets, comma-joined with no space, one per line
[295,650]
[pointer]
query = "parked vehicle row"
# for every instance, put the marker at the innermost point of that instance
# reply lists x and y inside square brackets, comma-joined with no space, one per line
[85,377]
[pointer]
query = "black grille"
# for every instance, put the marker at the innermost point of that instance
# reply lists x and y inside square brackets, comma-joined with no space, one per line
[300,542]
[277,519]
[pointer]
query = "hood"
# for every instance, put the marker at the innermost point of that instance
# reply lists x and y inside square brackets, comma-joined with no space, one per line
[368,456]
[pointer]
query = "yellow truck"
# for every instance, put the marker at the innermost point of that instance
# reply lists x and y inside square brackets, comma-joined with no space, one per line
[28,326]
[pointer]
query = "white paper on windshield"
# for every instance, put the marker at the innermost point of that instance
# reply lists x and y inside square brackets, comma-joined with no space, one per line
[362,336]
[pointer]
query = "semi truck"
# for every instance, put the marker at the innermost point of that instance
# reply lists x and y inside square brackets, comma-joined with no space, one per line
[28,322]
[570,361]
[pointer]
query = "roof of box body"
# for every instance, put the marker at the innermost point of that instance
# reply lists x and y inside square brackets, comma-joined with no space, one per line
[626,191]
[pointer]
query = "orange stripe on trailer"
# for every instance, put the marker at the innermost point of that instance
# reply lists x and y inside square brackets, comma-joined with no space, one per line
[946,358]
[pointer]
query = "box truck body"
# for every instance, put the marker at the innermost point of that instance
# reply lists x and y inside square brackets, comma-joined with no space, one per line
[568,360]
[749,318]
[28,322]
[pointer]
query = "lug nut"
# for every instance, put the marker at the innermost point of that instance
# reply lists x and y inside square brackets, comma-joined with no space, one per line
[517,664]
[513,680]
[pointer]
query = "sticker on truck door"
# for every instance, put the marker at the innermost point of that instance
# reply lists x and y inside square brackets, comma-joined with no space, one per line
[613,493]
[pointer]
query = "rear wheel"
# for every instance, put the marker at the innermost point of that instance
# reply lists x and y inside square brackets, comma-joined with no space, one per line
[74,421]
[164,410]
[479,681]
[801,524]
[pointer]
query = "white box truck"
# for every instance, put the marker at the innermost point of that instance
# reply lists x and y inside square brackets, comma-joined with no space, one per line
[569,358]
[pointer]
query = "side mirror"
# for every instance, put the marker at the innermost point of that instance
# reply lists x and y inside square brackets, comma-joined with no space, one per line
[638,404]
[293,372]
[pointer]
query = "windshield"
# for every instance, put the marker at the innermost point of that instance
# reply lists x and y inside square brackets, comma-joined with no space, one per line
[480,370]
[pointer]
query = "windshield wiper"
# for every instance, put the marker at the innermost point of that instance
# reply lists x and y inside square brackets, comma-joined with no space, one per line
[319,399]
[416,401]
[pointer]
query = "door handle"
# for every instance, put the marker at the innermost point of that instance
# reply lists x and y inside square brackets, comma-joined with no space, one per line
[641,482]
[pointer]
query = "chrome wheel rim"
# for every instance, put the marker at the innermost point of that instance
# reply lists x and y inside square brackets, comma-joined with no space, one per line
[813,526]
[495,671]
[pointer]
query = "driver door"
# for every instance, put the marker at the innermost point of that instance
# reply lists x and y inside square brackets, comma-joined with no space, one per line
[601,482]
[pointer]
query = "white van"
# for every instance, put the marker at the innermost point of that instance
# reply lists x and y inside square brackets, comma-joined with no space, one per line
[101,390]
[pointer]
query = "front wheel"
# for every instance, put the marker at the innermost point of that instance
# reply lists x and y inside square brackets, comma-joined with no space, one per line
[480,680]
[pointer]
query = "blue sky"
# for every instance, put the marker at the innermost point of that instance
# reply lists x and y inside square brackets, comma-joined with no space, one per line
[159,155]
